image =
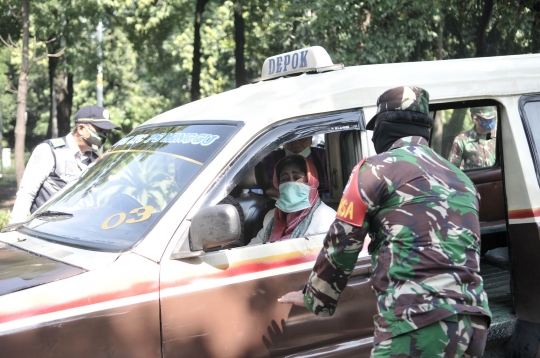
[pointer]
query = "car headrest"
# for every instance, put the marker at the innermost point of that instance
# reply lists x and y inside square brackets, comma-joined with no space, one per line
[255,178]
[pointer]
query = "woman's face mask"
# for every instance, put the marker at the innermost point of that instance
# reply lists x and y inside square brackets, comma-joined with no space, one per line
[95,139]
[293,196]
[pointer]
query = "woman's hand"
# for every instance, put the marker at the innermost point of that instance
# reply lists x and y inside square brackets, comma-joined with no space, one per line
[296,298]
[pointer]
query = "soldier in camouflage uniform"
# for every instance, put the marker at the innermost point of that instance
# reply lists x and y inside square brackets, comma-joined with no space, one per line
[475,148]
[423,215]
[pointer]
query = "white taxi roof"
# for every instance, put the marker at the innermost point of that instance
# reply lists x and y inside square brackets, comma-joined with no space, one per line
[263,103]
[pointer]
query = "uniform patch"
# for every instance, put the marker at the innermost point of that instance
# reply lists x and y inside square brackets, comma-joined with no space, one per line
[352,209]
[72,169]
[57,142]
[36,157]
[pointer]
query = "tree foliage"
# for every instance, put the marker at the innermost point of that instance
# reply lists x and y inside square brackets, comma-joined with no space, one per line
[148,46]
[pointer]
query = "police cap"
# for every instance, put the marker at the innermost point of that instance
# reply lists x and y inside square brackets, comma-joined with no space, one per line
[97,116]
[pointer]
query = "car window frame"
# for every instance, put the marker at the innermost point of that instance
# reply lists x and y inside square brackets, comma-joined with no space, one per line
[535,155]
[433,108]
[258,148]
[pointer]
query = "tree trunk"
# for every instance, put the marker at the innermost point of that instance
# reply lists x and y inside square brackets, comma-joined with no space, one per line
[52,131]
[20,126]
[196,71]
[440,41]
[64,86]
[535,29]
[452,128]
[1,139]
[239,38]
[482,28]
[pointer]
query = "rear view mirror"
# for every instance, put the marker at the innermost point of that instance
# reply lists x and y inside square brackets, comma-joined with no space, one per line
[214,226]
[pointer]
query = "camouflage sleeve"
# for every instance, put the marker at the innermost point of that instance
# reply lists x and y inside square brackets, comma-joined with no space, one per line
[456,152]
[333,267]
[345,240]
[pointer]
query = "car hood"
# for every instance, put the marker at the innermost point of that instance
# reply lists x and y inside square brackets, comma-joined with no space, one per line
[21,269]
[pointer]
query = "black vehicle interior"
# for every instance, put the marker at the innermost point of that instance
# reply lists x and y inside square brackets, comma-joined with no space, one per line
[488,180]
[254,205]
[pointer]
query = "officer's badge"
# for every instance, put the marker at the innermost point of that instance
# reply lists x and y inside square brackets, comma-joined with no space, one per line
[72,169]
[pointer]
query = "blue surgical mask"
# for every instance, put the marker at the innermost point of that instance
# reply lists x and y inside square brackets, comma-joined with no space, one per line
[303,153]
[487,124]
[293,196]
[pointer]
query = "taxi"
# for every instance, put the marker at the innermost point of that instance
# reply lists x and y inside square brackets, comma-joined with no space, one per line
[147,254]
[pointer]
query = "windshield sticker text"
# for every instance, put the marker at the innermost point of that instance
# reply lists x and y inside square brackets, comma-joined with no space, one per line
[203,139]
[143,213]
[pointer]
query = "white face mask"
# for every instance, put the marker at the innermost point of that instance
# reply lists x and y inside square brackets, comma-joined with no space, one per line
[303,153]
[95,139]
[293,196]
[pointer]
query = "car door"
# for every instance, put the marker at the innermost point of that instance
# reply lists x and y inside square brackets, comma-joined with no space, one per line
[522,183]
[224,303]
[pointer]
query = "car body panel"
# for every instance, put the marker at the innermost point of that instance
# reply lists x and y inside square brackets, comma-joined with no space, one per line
[241,315]
[264,103]
[113,310]
[20,269]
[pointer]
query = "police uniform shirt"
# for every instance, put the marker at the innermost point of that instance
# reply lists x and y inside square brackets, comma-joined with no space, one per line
[70,163]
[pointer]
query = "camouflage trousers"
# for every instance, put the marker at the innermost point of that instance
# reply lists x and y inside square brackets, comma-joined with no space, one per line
[459,335]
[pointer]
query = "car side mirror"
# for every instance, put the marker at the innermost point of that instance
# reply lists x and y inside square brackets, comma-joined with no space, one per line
[214,226]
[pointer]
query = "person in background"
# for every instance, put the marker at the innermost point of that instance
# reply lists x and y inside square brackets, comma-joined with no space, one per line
[57,161]
[315,155]
[475,148]
[422,213]
[299,210]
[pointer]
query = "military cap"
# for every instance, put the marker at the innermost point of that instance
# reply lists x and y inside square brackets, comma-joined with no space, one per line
[402,98]
[484,112]
[97,116]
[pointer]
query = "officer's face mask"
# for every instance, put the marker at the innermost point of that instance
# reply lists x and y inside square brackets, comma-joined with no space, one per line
[293,196]
[487,124]
[95,139]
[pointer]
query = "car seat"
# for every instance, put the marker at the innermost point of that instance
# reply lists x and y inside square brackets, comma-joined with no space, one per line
[254,205]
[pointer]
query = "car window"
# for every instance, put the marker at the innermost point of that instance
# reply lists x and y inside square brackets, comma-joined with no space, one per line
[122,195]
[350,153]
[466,136]
[530,113]
[256,204]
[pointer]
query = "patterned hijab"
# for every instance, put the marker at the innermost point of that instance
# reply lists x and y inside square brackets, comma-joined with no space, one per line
[285,223]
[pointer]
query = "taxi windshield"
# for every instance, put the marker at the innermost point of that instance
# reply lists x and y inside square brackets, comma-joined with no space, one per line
[112,206]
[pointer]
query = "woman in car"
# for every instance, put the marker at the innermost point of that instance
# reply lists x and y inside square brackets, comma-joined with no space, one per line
[299,211]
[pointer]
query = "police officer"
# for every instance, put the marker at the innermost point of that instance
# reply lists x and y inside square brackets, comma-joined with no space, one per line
[55,162]
[423,215]
[475,148]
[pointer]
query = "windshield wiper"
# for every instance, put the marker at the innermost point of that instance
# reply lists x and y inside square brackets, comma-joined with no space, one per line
[48,215]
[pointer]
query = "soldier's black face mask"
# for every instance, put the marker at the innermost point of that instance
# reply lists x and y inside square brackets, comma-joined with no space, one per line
[387,133]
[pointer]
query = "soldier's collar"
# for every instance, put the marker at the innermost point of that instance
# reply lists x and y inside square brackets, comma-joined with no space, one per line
[474,136]
[406,141]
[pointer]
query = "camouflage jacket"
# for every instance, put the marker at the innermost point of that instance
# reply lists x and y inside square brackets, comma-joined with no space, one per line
[473,150]
[423,214]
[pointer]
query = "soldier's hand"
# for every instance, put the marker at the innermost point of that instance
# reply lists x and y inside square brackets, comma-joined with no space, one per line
[296,298]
